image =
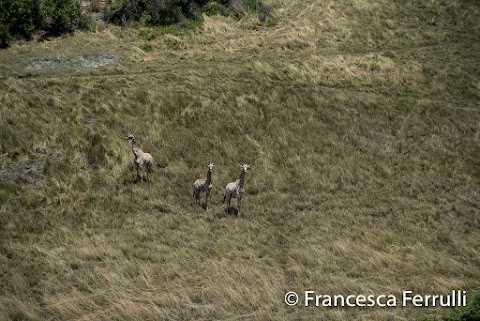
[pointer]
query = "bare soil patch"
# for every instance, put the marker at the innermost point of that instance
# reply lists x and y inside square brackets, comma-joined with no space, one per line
[83,61]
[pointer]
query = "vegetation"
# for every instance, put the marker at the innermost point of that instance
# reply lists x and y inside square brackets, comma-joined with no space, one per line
[166,12]
[24,17]
[64,14]
[360,120]
[469,313]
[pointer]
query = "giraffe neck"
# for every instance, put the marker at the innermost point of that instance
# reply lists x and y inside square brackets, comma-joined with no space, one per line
[135,149]
[209,177]
[242,179]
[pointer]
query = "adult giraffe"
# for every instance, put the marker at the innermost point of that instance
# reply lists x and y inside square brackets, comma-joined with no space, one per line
[235,189]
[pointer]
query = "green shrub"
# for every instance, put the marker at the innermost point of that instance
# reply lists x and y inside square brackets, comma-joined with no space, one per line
[148,34]
[184,13]
[24,17]
[5,36]
[21,16]
[86,22]
[64,15]
[469,313]
[214,8]
[472,312]
[147,47]
[271,21]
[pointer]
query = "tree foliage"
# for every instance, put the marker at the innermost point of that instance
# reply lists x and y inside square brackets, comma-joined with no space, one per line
[64,15]
[155,12]
[164,12]
[21,18]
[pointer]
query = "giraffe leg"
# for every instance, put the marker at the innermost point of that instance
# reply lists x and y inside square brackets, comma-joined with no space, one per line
[196,194]
[207,193]
[135,166]
[149,172]
[139,174]
[239,201]
[227,199]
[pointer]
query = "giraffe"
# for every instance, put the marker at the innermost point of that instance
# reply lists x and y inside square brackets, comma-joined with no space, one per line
[142,160]
[123,22]
[203,185]
[235,189]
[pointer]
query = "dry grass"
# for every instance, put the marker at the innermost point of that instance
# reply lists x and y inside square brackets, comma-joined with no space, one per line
[361,121]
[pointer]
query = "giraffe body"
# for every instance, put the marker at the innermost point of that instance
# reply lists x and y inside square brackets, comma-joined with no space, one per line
[143,161]
[236,189]
[203,185]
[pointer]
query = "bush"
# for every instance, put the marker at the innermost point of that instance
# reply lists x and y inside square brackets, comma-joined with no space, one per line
[158,12]
[472,312]
[271,21]
[64,15]
[469,313]
[5,36]
[86,22]
[22,17]
[180,12]
[215,8]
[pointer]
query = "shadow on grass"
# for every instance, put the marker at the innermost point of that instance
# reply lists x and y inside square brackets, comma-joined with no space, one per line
[135,181]
[231,211]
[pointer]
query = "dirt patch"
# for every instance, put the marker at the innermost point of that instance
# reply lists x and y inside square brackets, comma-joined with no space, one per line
[83,61]
[93,61]
[43,63]
[28,171]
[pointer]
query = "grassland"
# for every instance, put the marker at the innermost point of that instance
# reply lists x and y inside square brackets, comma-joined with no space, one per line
[361,120]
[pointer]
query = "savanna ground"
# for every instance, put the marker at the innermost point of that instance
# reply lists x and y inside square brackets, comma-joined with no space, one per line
[361,121]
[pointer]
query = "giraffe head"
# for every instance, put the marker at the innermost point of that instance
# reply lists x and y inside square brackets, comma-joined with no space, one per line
[210,166]
[130,137]
[245,167]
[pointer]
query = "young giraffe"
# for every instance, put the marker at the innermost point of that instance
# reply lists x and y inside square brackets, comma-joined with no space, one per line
[142,160]
[235,189]
[203,185]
